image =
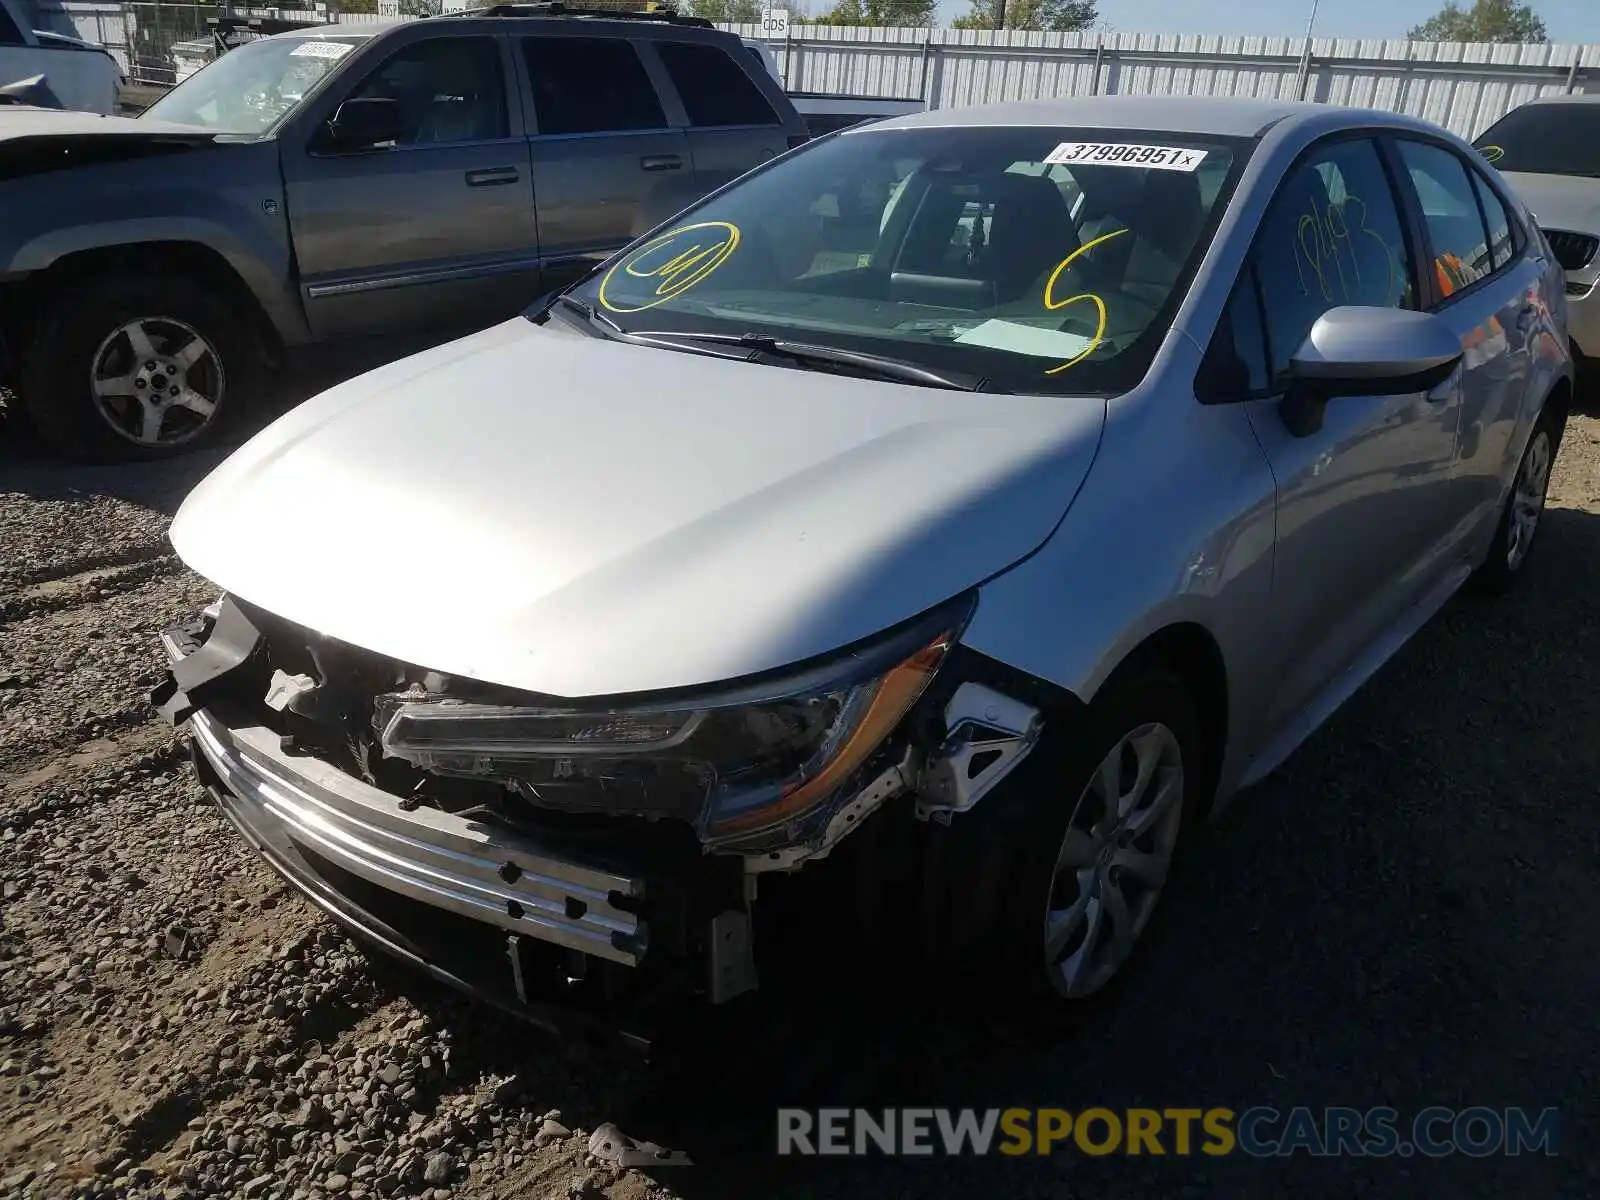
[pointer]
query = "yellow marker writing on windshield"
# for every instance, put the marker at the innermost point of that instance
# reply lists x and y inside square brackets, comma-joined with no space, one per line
[1492,153]
[1100,305]
[676,261]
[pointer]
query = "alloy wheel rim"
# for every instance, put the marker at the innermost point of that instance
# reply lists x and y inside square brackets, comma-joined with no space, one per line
[157,382]
[1114,860]
[1527,499]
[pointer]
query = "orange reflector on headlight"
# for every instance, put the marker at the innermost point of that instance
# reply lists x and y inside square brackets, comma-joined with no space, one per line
[896,692]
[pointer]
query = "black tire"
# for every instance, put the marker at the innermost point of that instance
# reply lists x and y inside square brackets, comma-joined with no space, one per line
[68,339]
[1502,568]
[990,873]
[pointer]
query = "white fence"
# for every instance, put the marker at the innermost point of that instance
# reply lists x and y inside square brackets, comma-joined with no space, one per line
[1464,87]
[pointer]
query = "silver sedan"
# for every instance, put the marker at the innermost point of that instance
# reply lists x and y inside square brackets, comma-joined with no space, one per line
[987,493]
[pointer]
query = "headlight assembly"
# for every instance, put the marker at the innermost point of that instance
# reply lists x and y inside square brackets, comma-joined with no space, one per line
[755,765]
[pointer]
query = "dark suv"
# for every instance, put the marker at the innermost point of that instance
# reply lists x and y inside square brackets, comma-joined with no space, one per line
[340,181]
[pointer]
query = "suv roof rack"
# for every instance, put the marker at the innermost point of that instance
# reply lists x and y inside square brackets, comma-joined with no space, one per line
[555,8]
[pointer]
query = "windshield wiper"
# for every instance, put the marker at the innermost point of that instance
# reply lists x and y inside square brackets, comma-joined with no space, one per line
[587,312]
[811,354]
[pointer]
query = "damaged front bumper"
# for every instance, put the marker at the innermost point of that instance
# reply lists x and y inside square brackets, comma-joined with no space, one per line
[570,927]
[433,857]
[569,941]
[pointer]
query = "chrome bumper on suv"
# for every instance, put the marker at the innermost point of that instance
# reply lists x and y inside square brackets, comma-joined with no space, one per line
[449,862]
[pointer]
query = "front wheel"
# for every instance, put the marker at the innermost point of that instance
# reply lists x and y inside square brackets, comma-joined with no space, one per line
[1050,884]
[1524,509]
[138,366]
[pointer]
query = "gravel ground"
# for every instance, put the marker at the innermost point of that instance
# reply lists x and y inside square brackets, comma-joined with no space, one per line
[1403,915]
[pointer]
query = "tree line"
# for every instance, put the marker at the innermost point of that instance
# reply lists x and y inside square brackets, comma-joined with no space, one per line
[1480,21]
[1062,16]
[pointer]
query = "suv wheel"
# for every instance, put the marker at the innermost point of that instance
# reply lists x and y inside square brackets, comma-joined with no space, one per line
[139,366]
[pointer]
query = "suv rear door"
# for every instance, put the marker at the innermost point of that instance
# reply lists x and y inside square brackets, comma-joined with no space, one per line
[602,145]
[733,125]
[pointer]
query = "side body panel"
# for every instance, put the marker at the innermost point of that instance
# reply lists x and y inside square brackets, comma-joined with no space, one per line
[1191,535]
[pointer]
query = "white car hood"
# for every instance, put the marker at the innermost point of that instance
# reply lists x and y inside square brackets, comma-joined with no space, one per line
[1559,201]
[543,510]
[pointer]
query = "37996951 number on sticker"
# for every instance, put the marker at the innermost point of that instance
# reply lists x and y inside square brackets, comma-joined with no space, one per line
[1126,154]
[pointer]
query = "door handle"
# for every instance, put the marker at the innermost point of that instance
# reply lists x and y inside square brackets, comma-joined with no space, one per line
[492,176]
[661,162]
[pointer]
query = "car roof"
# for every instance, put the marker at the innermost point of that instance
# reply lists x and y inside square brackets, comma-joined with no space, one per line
[1575,98]
[588,17]
[1214,115]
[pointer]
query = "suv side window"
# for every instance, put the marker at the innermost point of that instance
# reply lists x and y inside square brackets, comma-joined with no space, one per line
[1501,247]
[1332,236]
[590,85]
[1457,237]
[714,88]
[448,89]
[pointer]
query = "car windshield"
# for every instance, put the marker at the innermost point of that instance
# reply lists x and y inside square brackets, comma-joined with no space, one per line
[1546,139]
[250,88]
[1036,259]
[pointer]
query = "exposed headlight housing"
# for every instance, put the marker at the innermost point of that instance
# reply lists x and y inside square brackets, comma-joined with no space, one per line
[752,766]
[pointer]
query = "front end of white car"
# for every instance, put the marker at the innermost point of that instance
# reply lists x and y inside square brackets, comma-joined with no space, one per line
[637,678]
[588,866]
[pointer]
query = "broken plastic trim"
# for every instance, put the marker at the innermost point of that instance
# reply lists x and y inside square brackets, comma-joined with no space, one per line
[231,643]
[989,734]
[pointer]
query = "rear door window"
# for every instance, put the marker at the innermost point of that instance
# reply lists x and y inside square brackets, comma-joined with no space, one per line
[590,85]
[1458,239]
[1501,246]
[715,89]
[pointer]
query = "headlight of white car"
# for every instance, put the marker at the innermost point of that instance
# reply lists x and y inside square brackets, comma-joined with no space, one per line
[738,763]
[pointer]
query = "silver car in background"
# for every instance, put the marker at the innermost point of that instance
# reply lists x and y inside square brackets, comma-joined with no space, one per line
[964,505]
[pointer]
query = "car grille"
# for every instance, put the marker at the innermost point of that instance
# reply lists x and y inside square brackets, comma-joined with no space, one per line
[1574,251]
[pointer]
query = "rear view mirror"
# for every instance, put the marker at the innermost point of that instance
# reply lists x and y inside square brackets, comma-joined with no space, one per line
[1357,351]
[365,123]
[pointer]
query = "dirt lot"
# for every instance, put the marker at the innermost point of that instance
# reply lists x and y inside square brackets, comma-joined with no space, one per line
[1404,915]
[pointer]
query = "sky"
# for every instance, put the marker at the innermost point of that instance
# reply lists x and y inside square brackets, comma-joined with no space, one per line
[1567,20]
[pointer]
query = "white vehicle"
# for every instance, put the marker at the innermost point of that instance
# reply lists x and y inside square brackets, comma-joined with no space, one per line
[1549,152]
[949,565]
[81,75]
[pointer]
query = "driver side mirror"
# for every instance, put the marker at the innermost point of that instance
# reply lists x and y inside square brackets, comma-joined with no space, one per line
[1359,351]
[364,123]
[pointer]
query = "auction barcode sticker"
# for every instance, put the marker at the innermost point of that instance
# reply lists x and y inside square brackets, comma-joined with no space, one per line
[1126,154]
[321,50]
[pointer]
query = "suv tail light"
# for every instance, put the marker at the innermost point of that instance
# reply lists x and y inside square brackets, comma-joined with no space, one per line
[796,140]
